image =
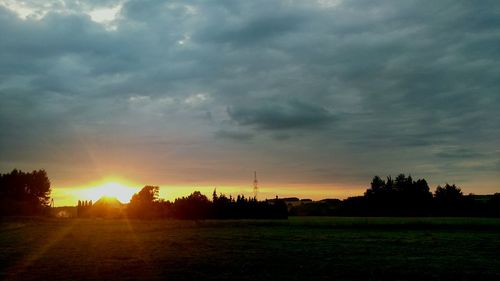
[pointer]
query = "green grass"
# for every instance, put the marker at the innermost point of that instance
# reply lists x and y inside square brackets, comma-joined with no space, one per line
[297,249]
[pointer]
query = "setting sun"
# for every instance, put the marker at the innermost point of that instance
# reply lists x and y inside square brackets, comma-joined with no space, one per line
[117,190]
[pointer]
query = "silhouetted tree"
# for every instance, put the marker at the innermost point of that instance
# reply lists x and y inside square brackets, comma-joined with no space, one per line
[493,205]
[84,208]
[448,193]
[195,206]
[399,197]
[214,195]
[24,193]
[449,201]
[145,203]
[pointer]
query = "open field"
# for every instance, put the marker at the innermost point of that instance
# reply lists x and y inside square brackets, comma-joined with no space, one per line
[297,249]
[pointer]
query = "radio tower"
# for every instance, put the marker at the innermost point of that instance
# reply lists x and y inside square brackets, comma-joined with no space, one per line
[255,185]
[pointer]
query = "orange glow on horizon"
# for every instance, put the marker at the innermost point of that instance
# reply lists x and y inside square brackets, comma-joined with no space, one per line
[124,189]
[109,187]
[117,190]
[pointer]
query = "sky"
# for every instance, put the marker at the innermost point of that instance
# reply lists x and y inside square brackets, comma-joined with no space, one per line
[316,96]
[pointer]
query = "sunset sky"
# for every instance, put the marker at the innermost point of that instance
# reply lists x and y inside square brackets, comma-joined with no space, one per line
[316,96]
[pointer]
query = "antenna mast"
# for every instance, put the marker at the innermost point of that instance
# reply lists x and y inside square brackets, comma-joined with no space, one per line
[255,185]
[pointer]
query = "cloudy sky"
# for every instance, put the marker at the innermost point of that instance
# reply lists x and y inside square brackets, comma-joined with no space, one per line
[316,96]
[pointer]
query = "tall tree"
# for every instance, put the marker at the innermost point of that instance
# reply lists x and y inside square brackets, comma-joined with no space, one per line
[449,200]
[24,193]
[145,203]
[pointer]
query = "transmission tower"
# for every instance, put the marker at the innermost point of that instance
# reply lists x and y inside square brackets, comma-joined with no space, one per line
[255,185]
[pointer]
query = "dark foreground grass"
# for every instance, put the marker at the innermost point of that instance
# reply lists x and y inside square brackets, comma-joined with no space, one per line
[297,249]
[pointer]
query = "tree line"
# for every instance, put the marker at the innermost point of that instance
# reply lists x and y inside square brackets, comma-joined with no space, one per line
[83,208]
[146,204]
[28,193]
[404,196]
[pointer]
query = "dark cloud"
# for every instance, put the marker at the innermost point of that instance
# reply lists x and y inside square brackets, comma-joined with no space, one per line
[256,31]
[353,87]
[281,115]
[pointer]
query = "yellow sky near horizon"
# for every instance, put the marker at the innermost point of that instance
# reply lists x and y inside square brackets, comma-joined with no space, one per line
[123,191]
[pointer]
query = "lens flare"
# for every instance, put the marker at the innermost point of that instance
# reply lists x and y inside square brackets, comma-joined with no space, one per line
[116,190]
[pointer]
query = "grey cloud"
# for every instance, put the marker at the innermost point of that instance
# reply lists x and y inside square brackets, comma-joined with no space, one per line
[281,115]
[459,153]
[254,31]
[361,83]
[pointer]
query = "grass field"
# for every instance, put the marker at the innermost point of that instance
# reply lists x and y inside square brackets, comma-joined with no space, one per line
[297,249]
